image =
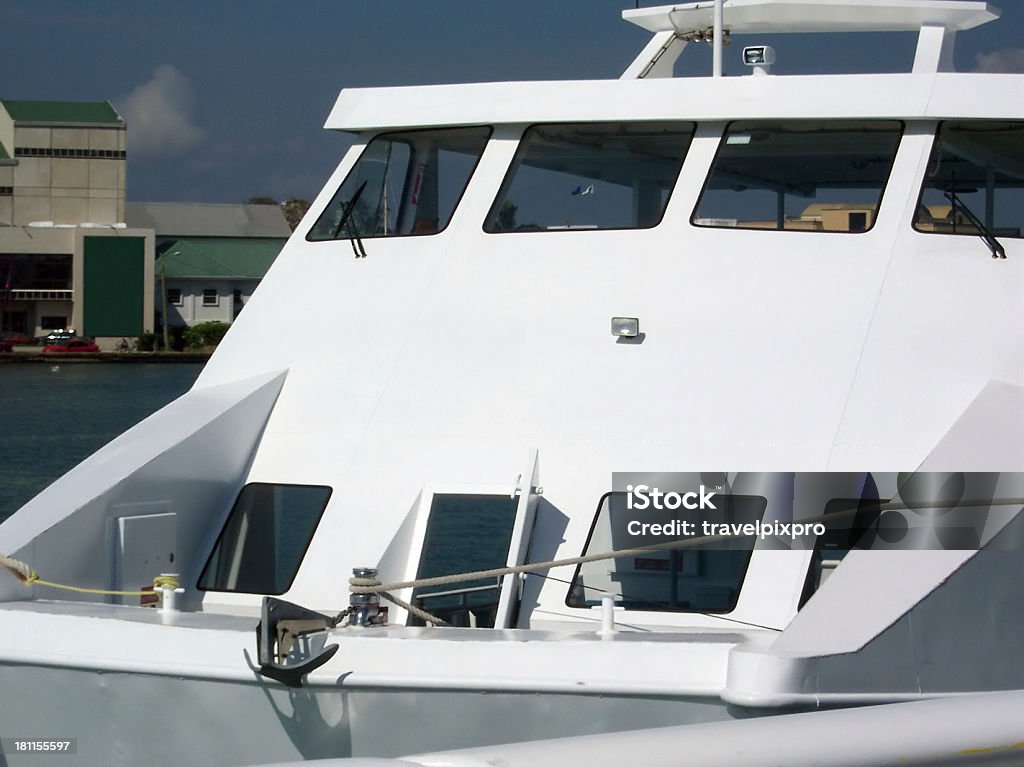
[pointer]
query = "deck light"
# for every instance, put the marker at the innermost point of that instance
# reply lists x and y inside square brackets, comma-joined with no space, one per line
[760,57]
[625,327]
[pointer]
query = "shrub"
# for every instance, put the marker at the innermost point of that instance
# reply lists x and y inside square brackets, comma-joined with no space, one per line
[146,342]
[205,334]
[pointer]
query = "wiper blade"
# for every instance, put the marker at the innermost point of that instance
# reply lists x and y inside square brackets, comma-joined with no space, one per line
[356,240]
[998,251]
[347,213]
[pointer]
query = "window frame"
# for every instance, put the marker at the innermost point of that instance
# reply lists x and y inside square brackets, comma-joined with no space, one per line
[924,182]
[227,521]
[515,164]
[722,143]
[216,297]
[179,301]
[674,611]
[399,132]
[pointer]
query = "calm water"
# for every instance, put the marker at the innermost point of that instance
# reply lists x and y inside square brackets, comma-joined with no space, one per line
[56,416]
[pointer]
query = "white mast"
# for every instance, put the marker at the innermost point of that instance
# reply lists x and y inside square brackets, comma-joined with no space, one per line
[716,43]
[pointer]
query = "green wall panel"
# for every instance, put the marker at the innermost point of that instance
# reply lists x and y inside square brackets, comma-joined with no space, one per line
[114,285]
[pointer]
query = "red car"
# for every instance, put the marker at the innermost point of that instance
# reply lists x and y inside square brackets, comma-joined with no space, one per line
[72,345]
[13,337]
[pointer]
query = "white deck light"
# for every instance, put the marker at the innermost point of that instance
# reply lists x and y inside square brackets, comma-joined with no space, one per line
[760,57]
[625,327]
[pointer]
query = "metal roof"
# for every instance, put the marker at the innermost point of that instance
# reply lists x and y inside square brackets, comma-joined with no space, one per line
[221,258]
[764,16]
[183,219]
[96,112]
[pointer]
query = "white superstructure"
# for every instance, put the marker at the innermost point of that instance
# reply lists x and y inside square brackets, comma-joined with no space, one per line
[826,272]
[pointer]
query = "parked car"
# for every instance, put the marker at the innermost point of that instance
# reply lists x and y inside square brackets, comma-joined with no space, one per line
[13,337]
[6,346]
[58,336]
[72,345]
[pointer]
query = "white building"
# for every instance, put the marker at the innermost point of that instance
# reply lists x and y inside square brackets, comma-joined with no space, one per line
[209,258]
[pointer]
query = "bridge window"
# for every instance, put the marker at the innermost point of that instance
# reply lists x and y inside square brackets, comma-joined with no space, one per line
[591,176]
[465,533]
[266,535]
[975,180]
[813,176]
[405,183]
[704,579]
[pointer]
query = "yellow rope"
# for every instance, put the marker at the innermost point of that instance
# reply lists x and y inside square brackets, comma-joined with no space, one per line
[30,577]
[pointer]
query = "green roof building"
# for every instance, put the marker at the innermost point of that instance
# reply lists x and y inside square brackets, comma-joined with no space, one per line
[209,258]
[74,254]
[67,259]
[61,161]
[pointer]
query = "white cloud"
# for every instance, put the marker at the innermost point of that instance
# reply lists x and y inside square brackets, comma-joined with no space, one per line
[1003,60]
[160,115]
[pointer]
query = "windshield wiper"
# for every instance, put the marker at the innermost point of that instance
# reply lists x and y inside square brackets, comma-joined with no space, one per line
[998,251]
[356,240]
[347,218]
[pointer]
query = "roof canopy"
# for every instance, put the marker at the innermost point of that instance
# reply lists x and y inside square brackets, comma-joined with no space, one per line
[90,112]
[223,258]
[764,16]
[185,219]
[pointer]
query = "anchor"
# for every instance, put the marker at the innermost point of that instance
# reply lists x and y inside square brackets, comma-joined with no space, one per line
[281,624]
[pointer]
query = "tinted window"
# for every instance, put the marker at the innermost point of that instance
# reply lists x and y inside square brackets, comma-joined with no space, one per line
[799,175]
[703,579]
[403,183]
[591,176]
[266,535]
[976,171]
[465,533]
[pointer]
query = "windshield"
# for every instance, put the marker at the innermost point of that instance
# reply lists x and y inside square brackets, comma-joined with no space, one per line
[405,183]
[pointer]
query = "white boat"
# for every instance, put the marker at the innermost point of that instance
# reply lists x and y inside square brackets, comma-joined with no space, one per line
[793,296]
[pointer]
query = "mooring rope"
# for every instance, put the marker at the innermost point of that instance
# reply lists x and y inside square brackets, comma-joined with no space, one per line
[29,577]
[373,586]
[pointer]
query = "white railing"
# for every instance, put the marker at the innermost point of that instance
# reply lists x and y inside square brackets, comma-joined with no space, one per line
[39,295]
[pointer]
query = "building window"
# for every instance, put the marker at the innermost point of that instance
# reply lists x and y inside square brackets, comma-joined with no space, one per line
[210,297]
[811,176]
[6,191]
[92,154]
[53,323]
[591,176]
[42,271]
[174,296]
[974,178]
[404,183]
[236,296]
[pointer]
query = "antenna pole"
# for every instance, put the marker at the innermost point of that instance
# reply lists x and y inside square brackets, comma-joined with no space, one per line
[716,44]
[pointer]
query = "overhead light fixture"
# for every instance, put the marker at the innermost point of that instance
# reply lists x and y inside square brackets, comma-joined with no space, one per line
[625,327]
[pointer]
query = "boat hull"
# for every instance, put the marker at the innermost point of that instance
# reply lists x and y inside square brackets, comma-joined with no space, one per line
[121,718]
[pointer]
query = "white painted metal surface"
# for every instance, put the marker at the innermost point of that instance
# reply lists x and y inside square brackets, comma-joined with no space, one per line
[770,16]
[982,729]
[466,351]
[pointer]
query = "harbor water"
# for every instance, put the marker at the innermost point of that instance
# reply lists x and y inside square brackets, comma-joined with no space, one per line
[55,416]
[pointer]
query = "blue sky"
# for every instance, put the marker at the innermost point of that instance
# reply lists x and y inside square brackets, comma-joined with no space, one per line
[226,100]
